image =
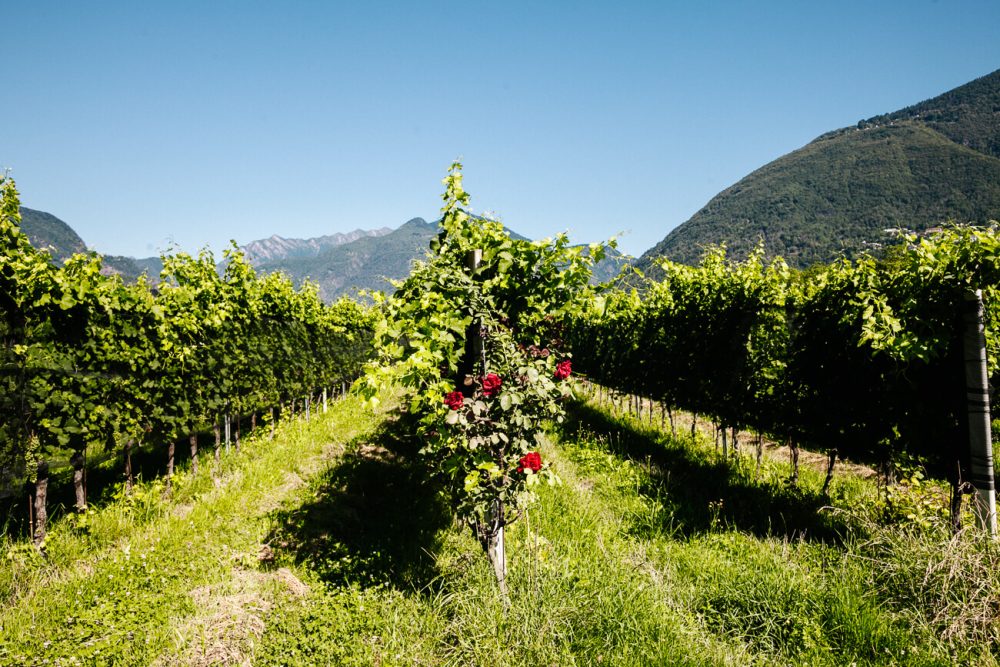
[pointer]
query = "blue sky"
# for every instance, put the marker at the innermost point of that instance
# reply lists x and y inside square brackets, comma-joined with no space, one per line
[142,123]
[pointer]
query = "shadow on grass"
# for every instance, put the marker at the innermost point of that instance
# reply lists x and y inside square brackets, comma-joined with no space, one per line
[373,520]
[700,492]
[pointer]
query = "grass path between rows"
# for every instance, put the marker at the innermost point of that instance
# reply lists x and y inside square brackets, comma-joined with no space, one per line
[169,578]
[329,546]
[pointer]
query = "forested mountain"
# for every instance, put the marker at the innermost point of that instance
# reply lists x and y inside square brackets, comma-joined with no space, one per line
[47,232]
[850,189]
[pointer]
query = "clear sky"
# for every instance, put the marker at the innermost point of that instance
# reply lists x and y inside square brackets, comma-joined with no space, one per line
[140,123]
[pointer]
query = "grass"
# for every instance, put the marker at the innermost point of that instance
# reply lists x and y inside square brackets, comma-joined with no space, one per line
[330,546]
[122,586]
[797,578]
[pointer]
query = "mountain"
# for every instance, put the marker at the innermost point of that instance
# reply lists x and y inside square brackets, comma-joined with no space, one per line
[47,232]
[848,190]
[277,248]
[364,263]
[370,261]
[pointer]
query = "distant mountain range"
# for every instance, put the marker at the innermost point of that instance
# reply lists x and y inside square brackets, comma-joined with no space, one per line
[365,263]
[339,263]
[277,248]
[845,191]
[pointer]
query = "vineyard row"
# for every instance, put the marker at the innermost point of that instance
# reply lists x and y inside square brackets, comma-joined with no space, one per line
[91,364]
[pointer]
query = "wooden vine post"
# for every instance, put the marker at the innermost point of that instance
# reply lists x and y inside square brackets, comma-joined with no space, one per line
[492,533]
[977,398]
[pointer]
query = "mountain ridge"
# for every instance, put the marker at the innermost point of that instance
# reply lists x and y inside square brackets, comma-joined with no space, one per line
[277,247]
[915,168]
[340,263]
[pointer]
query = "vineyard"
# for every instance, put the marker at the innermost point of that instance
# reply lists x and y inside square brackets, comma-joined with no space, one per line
[92,365]
[528,469]
[864,360]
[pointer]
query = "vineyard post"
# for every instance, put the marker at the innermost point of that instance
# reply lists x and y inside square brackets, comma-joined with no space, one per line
[324,400]
[127,451]
[80,492]
[217,432]
[41,498]
[170,461]
[227,427]
[977,399]
[193,442]
[495,516]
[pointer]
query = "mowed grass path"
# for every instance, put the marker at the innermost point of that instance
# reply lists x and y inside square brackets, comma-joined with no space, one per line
[329,546]
[170,578]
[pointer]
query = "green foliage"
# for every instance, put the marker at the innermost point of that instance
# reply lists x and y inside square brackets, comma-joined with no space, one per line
[514,303]
[863,357]
[90,362]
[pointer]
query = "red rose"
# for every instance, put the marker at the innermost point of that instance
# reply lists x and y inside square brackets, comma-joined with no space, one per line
[491,384]
[531,461]
[563,369]
[454,400]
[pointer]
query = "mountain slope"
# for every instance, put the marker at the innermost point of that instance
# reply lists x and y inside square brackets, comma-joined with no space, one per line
[365,263]
[915,168]
[47,232]
[277,248]
[369,262]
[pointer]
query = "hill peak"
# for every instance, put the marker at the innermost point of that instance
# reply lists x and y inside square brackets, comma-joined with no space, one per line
[276,248]
[931,162]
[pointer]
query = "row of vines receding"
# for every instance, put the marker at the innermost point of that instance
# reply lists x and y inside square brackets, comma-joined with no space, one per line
[90,364]
[862,359]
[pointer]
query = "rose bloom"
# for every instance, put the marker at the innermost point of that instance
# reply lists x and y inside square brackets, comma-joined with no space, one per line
[454,399]
[531,461]
[491,384]
[563,369]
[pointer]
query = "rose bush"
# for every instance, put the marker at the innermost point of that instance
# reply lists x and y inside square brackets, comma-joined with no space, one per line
[484,335]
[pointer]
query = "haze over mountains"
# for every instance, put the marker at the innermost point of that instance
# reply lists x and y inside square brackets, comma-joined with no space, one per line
[916,168]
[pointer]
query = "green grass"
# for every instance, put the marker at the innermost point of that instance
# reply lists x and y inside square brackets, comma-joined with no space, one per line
[330,546]
[796,578]
[118,588]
